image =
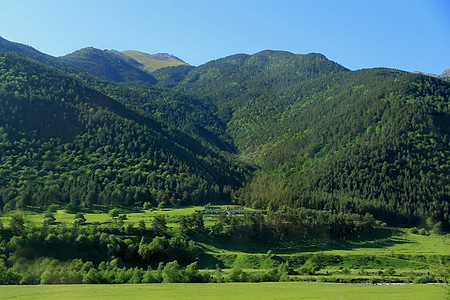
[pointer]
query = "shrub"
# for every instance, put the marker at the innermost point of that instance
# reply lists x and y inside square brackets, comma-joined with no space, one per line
[172,273]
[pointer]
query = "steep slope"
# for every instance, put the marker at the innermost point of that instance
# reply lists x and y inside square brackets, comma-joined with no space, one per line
[30,52]
[170,77]
[445,74]
[108,66]
[326,138]
[192,116]
[251,91]
[152,62]
[321,136]
[63,142]
[374,141]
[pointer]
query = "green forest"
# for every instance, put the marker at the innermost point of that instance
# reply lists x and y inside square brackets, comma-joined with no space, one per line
[305,148]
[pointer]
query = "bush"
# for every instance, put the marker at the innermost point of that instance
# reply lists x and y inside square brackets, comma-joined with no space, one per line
[172,273]
[52,209]
[162,205]
[421,280]
[423,231]
[237,275]
[71,208]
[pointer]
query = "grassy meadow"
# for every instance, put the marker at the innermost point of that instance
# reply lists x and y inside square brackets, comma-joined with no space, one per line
[269,290]
[388,254]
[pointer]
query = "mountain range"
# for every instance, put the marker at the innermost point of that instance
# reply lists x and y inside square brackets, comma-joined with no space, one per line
[445,74]
[269,130]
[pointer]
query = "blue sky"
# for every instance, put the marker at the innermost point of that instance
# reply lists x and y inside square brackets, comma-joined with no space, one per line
[404,34]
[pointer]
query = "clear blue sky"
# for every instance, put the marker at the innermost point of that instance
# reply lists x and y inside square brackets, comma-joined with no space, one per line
[403,34]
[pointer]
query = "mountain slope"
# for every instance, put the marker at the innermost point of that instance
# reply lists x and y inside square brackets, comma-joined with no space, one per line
[108,66]
[375,141]
[30,52]
[169,107]
[62,142]
[319,136]
[251,91]
[152,62]
[326,138]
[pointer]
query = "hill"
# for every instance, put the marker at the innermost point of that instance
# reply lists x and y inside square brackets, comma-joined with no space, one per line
[108,66]
[152,62]
[250,90]
[316,134]
[326,138]
[63,142]
[444,75]
[375,141]
[30,52]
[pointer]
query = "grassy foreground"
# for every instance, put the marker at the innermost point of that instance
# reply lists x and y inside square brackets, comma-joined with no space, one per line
[269,290]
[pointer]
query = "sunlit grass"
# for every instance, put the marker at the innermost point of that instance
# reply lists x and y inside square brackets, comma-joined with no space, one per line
[384,242]
[229,291]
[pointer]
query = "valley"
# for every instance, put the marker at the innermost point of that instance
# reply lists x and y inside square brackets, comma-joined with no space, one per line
[308,171]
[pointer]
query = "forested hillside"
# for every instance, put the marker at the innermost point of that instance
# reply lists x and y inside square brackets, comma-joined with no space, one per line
[325,138]
[109,66]
[62,142]
[315,134]
[377,141]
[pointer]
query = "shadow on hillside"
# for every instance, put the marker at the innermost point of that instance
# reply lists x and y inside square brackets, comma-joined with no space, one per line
[379,238]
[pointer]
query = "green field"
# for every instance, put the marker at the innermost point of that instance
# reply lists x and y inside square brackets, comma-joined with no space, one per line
[291,290]
[389,254]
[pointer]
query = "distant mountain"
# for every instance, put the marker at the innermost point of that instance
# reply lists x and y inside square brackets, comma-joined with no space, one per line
[325,137]
[152,62]
[109,66]
[252,88]
[444,74]
[30,52]
[314,133]
[130,67]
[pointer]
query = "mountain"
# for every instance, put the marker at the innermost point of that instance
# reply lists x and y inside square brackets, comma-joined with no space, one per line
[63,142]
[152,62]
[444,75]
[30,52]
[271,130]
[129,67]
[374,141]
[252,90]
[324,137]
[167,106]
[170,77]
[108,66]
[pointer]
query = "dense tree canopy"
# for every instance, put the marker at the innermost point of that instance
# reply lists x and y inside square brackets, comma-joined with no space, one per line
[62,142]
[316,135]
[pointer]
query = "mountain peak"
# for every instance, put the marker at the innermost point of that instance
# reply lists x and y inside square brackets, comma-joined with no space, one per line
[446,73]
[109,65]
[152,62]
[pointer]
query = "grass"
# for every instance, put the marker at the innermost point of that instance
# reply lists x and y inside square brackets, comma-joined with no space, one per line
[285,290]
[385,241]
[387,247]
[369,256]
[153,62]
[34,217]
